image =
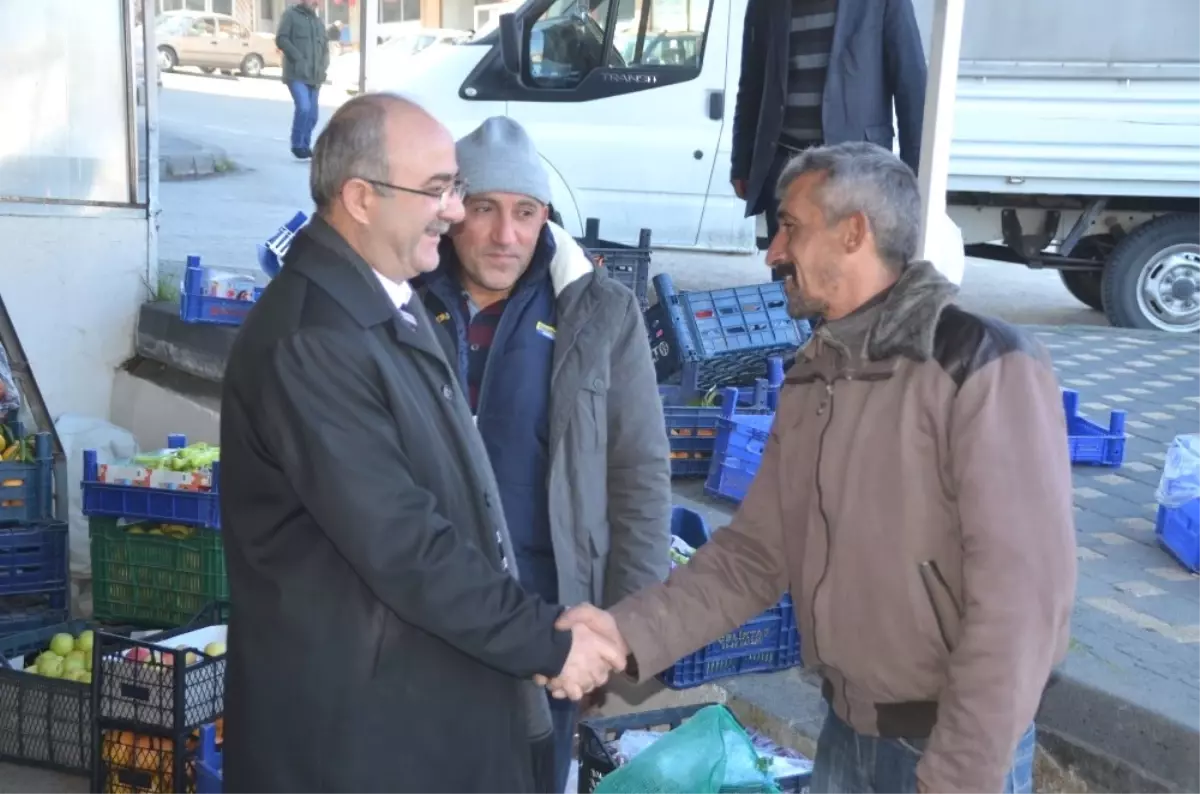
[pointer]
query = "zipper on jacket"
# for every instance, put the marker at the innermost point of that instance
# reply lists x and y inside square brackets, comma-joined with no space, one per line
[826,403]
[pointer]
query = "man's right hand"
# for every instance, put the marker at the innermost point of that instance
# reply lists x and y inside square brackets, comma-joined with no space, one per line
[597,649]
[739,188]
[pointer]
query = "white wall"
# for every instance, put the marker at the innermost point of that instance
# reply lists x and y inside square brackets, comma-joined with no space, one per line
[73,286]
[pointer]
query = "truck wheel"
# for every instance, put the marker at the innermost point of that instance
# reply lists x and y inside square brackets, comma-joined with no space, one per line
[252,65]
[1152,278]
[1085,284]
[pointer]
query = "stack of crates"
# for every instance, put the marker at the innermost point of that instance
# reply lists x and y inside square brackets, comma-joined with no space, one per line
[33,546]
[626,264]
[155,699]
[157,553]
[693,429]
[737,453]
[706,340]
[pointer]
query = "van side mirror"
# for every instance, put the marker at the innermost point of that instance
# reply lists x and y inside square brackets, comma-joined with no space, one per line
[511,44]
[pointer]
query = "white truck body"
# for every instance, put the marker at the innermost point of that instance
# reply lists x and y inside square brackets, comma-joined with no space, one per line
[1058,104]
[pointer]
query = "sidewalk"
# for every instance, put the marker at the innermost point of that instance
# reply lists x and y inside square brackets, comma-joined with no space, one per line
[181,158]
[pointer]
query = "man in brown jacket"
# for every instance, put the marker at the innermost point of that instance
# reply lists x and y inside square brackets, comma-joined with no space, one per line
[914,497]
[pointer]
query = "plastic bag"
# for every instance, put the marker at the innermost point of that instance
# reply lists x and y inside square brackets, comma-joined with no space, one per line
[709,753]
[10,398]
[1180,481]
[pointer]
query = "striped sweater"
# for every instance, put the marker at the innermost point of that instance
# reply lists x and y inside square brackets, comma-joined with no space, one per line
[809,43]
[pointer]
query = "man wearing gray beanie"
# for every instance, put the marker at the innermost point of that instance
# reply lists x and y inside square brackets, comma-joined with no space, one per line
[555,360]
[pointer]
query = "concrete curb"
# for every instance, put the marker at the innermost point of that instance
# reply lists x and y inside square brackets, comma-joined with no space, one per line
[208,161]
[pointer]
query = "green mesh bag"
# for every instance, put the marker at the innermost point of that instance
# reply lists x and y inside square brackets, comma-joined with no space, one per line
[708,754]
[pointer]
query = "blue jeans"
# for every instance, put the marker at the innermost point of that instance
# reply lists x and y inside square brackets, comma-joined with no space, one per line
[304,120]
[848,762]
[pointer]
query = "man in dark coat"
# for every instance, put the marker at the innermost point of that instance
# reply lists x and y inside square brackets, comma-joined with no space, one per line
[304,41]
[822,72]
[379,638]
[556,363]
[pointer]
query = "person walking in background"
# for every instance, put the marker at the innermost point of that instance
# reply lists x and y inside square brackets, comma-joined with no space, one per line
[378,629]
[914,497]
[556,364]
[304,42]
[822,72]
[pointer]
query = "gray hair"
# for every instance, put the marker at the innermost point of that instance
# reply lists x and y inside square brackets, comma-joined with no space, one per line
[353,144]
[863,177]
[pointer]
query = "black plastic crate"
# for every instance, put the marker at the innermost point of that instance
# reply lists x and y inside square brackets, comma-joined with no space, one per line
[140,763]
[144,687]
[45,722]
[596,760]
[624,263]
[720,337]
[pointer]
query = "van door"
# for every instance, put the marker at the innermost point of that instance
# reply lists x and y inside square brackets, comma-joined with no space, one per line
[625,100]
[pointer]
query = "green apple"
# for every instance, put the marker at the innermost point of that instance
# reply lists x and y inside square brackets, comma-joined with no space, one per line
[73,663]
[62,644]
[51,667]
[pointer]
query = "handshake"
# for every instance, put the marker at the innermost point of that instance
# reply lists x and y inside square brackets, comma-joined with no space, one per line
[597,649]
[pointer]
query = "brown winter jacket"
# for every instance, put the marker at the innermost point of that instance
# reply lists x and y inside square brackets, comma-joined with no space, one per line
[916,500]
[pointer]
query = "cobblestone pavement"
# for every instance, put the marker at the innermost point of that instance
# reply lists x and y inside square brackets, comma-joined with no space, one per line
[1137,616]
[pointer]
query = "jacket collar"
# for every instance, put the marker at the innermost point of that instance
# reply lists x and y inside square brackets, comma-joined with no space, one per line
[906,319]
[325,258]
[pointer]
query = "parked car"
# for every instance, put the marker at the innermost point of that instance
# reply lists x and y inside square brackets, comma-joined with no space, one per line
[390,56]
[211,42]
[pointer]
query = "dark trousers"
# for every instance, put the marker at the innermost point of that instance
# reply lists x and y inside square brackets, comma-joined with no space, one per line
[304,119]
[768,202]
[552,755]
[849,762]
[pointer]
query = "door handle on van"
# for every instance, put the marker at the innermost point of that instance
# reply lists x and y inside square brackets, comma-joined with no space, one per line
[716,105]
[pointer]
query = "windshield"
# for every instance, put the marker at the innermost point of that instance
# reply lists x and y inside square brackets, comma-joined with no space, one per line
[173,25]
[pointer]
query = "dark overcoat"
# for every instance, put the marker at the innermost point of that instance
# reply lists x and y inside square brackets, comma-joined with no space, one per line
[378,641]
[876,60]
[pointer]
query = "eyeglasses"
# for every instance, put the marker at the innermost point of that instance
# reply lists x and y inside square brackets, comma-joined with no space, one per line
[458,189]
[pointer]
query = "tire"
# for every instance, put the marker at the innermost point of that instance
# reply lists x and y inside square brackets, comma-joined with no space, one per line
[167,59]
[252,66]
[1085,285]
[207,69]
[1152,278]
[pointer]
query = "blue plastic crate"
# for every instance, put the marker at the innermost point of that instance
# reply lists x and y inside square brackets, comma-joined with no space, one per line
[624,263]
[200,508]
[197,307]
[27,489]
[767,643]
[720,337]
[270,254]
[209,762]
[32,611]
[736,455]
[1178,531]
[33,557]
[729,478]
[693,430]
[1091,444]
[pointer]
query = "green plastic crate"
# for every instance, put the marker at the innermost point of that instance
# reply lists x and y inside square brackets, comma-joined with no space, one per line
[154,581]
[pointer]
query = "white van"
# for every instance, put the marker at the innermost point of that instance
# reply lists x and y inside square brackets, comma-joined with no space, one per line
[1064,146]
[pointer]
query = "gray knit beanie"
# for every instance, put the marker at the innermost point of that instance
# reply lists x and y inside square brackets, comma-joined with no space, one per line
[499,157]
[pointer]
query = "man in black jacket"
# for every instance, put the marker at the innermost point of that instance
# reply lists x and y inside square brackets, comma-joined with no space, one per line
[822,72]
[379,639]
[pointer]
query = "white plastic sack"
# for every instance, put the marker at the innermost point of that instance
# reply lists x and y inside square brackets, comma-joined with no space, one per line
[78,433]
[1180,481]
